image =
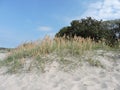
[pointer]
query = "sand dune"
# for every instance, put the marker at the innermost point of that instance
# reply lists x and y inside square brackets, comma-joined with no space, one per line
[84,78]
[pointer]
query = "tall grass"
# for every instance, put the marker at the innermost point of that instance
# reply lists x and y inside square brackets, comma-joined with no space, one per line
[49,45]
[39,49]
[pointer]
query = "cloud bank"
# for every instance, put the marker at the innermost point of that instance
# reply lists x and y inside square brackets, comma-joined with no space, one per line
[101,9]
[104,9]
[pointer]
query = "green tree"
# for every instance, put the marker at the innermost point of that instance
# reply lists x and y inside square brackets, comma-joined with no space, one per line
[89,27]
[85,28]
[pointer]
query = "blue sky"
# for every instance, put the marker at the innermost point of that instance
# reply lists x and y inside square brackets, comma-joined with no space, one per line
[26,20]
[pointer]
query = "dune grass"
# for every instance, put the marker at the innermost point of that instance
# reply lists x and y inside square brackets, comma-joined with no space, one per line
[36,51]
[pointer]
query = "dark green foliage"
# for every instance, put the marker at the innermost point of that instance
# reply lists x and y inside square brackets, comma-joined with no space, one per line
[92,28]
[2,49]
[113,27]
[85,28]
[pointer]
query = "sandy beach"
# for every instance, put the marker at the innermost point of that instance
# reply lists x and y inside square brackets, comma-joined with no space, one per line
[84,78]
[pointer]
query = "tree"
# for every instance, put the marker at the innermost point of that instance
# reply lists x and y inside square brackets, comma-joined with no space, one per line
[89,27]
[85,28]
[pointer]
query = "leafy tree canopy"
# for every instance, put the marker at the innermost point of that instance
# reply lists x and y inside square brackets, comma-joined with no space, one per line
[95,29]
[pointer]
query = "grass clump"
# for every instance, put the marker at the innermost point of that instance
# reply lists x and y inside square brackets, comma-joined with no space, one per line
[95,63]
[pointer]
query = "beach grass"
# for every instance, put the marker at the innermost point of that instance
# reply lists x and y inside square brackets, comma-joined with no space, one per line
[62,47]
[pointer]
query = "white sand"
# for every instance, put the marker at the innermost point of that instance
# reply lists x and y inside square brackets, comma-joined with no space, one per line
[3,55]
[84,78]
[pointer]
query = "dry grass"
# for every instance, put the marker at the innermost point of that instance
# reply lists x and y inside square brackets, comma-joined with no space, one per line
[38,49]
[48,45]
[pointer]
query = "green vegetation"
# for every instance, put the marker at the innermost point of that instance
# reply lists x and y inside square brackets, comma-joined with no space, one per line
[94,29]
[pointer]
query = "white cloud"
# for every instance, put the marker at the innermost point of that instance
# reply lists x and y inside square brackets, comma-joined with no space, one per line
[102,9]
[106,9]
[44,28]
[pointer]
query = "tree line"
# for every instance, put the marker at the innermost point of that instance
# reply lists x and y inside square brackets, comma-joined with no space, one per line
[97,30]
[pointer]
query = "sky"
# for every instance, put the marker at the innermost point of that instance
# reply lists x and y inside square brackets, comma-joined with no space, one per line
[29,20]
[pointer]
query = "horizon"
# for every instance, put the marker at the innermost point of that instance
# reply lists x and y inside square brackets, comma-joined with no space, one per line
[29,20]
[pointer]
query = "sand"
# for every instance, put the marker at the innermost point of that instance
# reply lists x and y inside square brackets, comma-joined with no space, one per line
[84,78]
